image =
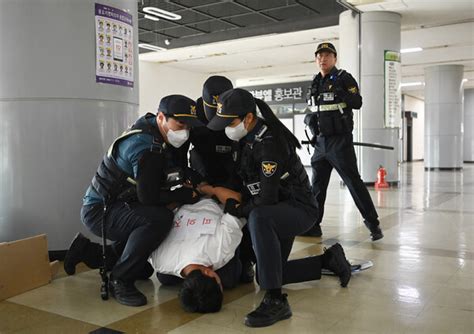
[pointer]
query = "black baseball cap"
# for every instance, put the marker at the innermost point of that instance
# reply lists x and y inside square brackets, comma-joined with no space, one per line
[181,108]
[212,88]
[232,104]
[326,47]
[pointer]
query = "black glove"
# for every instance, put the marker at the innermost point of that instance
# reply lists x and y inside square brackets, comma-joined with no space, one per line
[232,207]
[194,177]
[188,195]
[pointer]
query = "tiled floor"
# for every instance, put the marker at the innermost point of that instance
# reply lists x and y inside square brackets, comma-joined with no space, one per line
[422,280]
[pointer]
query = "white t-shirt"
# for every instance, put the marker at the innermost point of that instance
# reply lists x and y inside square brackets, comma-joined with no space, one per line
[201,234]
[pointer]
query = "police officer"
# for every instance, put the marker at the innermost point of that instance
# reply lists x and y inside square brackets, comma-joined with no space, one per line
[142,173]
[334,93]
[276,200]
[211,155]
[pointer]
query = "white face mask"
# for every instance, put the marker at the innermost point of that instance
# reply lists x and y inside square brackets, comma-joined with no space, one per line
[178,137]
[236,133]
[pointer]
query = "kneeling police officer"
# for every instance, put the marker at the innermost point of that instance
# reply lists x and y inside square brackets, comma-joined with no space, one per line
[276,200]
[142,173]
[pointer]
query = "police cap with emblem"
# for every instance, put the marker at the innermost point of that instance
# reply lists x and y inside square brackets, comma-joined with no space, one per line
[329,47]
[181,108]
[232,104]
[213,87]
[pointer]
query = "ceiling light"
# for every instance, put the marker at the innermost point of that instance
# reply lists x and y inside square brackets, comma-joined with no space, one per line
[167,41]
[410,50]
[151,47]
[411,84]
[162,13]
[151,17]
[465,80]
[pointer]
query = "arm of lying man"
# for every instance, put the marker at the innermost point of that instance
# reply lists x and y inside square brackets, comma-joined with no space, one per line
[221,193]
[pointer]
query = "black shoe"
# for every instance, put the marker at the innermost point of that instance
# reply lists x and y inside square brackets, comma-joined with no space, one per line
[126,293]
[248,273]
[314,231]
[271,310]
[335,260]
[375,231]
[75,253]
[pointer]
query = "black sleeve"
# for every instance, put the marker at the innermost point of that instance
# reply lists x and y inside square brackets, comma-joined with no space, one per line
[350,91]
[269,162]
[150,179]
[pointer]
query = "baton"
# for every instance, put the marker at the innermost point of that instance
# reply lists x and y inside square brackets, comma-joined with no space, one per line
[384,147]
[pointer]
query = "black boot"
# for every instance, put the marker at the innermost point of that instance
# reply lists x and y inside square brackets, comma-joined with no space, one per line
[126,293]
[271,310]
[314,231]
[375,231]
[76,253]
[335,260]
[248,273]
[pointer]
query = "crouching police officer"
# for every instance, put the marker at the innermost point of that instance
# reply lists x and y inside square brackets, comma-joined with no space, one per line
[212,152]
[142,173]
[277,202]
[334,93]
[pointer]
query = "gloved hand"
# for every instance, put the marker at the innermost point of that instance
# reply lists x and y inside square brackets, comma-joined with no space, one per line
[232,207]
[194,177]
[191,197]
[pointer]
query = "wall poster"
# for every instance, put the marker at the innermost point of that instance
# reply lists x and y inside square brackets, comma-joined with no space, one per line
[114,46]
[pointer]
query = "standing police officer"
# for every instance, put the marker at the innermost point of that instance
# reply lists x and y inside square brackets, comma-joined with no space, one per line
[141,175]
[334,93]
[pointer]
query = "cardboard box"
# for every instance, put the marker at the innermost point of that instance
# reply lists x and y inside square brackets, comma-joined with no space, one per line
[24,265]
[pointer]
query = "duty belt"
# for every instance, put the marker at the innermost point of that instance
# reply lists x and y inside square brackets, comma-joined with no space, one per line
[329,107]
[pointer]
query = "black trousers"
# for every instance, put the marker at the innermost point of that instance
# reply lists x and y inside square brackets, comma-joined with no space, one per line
[273,229]
[137,230]
[338,152]
[229,274]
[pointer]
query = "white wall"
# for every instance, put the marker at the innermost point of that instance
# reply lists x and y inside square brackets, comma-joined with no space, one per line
[418,106]
[157,81]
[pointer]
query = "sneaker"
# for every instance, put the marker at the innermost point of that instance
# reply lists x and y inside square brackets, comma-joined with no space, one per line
[375,230]
[75,253]
[335,260]
[126,293]
[314,231]
[270,311]
[248,273]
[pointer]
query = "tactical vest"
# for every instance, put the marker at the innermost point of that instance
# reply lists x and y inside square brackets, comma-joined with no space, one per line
[294,182]
[330,115]
[110,181]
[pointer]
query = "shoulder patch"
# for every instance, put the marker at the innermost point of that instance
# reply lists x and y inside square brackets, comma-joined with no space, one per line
[352,90]
[269,168]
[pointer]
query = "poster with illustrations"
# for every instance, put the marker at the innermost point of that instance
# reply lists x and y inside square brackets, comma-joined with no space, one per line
[114,46]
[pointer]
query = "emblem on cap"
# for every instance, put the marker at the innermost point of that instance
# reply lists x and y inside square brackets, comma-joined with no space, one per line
[193,110]
[269,168]
[219,107]
[324,46]
[215,98]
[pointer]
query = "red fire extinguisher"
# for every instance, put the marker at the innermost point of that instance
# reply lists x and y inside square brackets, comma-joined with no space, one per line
[381,174]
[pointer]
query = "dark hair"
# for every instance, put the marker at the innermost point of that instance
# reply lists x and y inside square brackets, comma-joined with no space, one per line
[200,293]
[279,130]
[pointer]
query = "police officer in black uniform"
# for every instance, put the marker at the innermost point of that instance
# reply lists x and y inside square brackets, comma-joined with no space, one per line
[276,200]
[334,93]
[141,176]
[211,155]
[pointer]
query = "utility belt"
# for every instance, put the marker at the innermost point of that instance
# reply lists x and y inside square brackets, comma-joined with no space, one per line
[323,123]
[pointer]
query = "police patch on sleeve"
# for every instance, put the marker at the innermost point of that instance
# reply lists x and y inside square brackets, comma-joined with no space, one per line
[269,168]
[352,90]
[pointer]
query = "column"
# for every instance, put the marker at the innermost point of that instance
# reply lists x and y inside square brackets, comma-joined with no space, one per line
[469,125]
[443,117]
[56,122]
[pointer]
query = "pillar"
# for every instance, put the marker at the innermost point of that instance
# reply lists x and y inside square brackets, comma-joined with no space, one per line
[468,125]
[443,117]
[56,122]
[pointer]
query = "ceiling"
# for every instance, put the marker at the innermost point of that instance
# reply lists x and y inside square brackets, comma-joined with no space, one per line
[207,21]
[444,29]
